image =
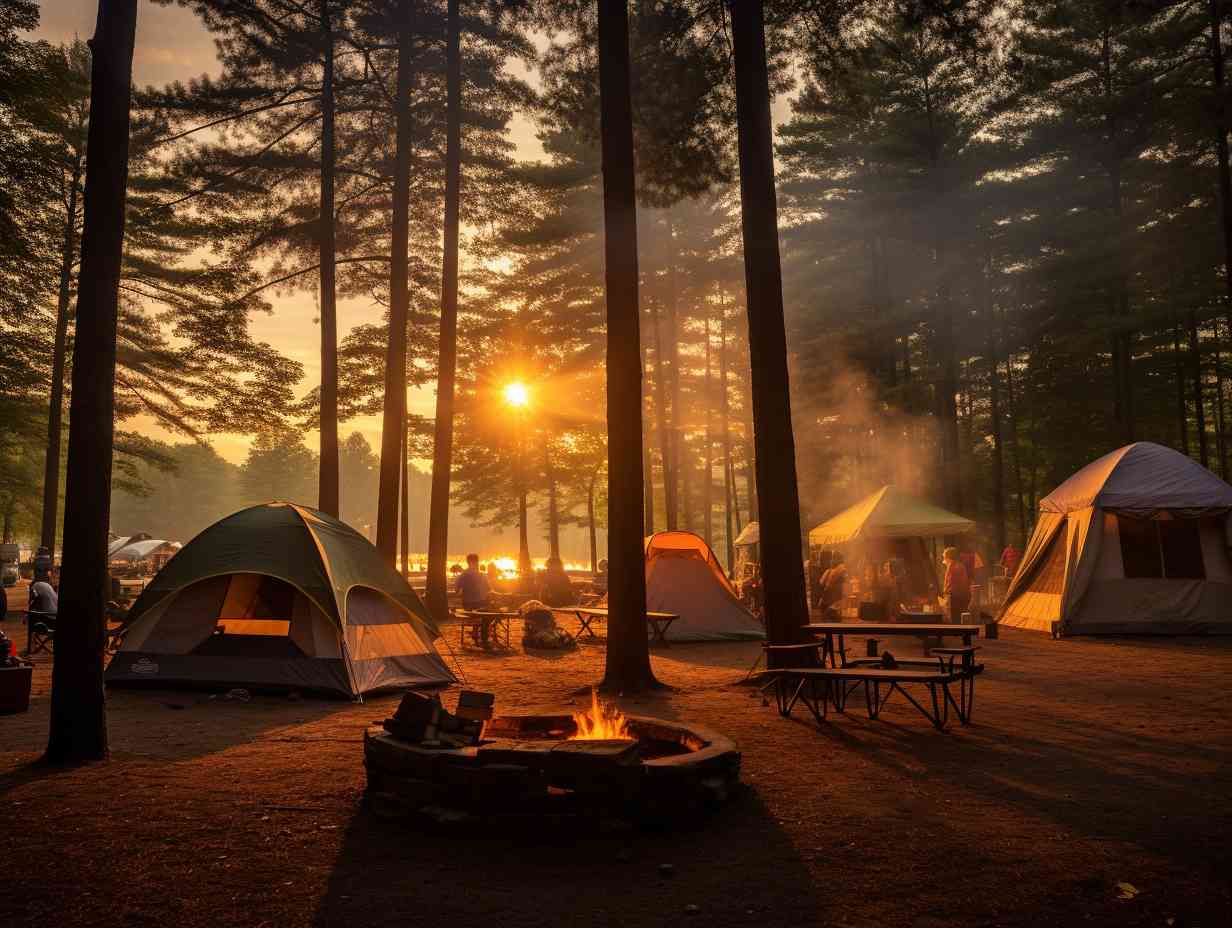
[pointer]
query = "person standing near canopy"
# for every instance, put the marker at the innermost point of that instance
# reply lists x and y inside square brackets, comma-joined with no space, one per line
[957,587]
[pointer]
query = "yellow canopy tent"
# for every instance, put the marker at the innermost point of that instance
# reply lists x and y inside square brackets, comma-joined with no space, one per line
[892,524]
[888,513]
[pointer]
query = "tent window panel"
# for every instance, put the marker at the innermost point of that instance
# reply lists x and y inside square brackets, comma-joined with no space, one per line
[1139,548]
[1181,543]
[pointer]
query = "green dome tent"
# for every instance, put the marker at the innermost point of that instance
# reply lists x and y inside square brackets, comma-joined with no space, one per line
[284,596]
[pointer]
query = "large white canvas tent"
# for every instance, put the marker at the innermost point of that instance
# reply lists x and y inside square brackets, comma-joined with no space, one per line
[684,577]
[279,595]
[1136,542]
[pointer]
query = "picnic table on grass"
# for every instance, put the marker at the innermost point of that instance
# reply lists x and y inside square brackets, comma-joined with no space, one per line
[657,622]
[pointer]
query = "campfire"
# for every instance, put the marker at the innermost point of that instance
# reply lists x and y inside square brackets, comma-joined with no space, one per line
[429,763]
[604,722]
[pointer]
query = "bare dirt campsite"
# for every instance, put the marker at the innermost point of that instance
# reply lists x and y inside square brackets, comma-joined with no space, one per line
[1092,789]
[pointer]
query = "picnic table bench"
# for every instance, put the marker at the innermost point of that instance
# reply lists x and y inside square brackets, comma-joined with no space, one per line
[837,655]
[820,687]
[657,622]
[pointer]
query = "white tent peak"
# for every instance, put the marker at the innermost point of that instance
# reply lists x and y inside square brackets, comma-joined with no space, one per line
[1140,476]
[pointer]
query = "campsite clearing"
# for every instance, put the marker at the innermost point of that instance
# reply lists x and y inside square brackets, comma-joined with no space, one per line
[1092,763]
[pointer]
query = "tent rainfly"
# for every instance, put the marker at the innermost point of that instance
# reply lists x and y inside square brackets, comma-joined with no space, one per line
[145,549]
[279,595]
[1135,542]
[684,577]
[888,513]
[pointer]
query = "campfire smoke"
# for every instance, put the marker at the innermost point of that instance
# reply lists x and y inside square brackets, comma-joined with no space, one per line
[603,722]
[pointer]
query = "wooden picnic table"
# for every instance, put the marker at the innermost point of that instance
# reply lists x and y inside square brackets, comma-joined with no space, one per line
[828,631]
[658,622]
[483,626]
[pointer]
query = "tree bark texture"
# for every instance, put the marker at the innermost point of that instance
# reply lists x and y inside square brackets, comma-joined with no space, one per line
[78,730]
[328,490]
[782,558]
[627,667]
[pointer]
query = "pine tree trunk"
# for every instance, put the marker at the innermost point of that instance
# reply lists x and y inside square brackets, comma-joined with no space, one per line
[78,730]
[328,501]
[680,469]
[1195,363]
[590,524]
[1221,150]
[1182,413]
[399,298]
[782,558]
[55,409]
[725,427]
[994,403]
[553,509]
[405,505]
[1220,415]
[661,420]
[442,445]
[525,567]
[648,497]
[627,666]
[708,484]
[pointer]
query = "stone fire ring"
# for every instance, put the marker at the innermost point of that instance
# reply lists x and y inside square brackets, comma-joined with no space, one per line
[688,771]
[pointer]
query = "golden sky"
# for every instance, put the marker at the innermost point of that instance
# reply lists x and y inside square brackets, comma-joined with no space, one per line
[173,45]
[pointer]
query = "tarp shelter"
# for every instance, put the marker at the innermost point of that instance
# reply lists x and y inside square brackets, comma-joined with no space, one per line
[891,523]
[684,577]
[145,549]
[279,595]
[117,544]
[1136,542]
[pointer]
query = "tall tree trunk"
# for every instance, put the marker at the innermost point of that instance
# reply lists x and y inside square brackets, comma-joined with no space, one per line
[782,557]
[1221,150]
[725,427]
[1195,365]
[708,485]
[553,509]
[525,567]
[590,524]
[399,299]
[329,482]
[627,666]
[648,497]
[78,730]
[405,505]
[994,403]
[680,468]
[1220,417]
[55,409]
[662,419]
[1182,413]
[442,445]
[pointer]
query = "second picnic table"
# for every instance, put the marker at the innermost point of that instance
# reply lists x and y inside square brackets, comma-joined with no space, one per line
[831,630]
[659,622]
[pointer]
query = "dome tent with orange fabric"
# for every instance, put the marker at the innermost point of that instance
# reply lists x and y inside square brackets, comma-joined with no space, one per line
[684,577]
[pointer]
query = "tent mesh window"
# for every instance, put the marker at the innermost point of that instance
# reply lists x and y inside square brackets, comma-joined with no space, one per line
[1181,543]
[1161,548]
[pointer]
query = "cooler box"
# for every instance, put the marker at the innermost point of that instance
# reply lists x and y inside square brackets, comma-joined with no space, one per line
[15,688]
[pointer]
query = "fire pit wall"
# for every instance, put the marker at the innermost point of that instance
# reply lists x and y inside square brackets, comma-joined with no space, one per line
[527,765]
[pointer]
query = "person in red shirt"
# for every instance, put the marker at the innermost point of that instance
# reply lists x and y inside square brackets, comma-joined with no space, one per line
[957,586]
[1009,559]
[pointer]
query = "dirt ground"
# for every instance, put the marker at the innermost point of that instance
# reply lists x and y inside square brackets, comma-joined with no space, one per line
[1091,763]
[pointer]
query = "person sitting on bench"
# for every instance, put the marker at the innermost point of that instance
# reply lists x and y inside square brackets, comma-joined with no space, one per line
[475,591]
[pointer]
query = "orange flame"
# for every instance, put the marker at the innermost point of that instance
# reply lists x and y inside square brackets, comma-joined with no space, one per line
[602,723]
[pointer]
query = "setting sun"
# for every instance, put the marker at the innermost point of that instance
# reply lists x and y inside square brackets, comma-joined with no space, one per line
[516,394]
